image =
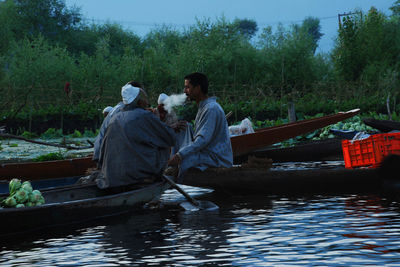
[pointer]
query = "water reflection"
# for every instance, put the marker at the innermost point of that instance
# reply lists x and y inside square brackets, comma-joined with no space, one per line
[247,231]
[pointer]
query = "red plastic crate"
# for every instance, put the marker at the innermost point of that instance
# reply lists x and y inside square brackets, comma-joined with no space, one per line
[371,151]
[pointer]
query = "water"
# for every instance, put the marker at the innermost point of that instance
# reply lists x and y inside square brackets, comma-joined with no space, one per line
[321,230]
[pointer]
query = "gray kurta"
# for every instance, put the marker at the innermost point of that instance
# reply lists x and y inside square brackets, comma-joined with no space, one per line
[103,128]
[136,146]
[210,144]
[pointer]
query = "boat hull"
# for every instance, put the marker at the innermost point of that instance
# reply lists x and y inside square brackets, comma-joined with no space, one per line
[261,180]
[382,125]
[46,169]
[329,149]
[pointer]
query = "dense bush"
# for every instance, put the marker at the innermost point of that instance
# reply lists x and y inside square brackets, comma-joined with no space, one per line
[41,55]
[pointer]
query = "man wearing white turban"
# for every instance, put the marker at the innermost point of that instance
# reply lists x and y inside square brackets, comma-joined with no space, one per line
[136,144]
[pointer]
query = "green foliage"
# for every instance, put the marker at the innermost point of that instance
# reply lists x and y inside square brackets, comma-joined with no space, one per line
[51,133]
[395,8]
[313,28]
[76,134]
[367,48]
[29,135]
[288,57]
[44,44]
[50,18]
[49,156]
[246,27]
[13,145]
[89,133]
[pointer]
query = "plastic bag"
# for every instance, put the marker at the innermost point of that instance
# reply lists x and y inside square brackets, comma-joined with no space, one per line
[245,127]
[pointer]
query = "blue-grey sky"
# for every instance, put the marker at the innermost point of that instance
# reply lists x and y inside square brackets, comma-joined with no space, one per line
[142,16]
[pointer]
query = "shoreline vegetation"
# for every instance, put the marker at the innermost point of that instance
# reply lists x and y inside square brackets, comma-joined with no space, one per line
[58,72]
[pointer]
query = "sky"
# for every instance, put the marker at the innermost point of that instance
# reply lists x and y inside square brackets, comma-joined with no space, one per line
[142,16]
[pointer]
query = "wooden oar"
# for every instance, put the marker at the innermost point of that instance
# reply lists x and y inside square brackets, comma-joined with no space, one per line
[186,195]
[192,204]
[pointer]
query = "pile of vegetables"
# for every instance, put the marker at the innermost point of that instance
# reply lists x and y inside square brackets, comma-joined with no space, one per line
[22,195]
[352,124]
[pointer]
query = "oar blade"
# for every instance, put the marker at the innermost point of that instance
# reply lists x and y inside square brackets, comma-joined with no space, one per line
[203,205]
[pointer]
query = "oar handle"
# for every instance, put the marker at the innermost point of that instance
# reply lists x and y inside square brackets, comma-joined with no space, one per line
[186,195]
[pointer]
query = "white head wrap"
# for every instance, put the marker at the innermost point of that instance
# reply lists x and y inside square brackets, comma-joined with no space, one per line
[107,109]
[129,93]
[162,98]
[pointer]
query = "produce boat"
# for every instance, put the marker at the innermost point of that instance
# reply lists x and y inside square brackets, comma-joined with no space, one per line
[296,178]
[241,145]
[244,144]
[382,125]
[76,204]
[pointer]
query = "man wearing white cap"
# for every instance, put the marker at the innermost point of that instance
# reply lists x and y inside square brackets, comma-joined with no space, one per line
[136,144]
[99,139]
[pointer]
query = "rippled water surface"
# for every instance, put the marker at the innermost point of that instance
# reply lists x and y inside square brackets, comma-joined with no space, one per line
[247,231]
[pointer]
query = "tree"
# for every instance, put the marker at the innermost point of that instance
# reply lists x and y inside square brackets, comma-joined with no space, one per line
[396,8]
[288,55]
[49,18]
[246,27]
[367,46]
[312,26]
[9,25]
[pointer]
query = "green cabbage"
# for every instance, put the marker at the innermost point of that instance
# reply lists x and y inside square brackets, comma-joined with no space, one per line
[20,206]
[27,186]
[14,185]
[10,201]
[35,196]
[29,204]
[41,201]
[21,195]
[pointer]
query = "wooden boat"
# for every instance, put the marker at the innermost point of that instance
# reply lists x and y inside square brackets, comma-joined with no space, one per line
[241,145]
[382,125]
[290,180]
[76,204]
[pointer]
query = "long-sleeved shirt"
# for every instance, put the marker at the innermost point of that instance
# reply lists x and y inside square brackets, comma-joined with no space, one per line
[210,145]
[136,145]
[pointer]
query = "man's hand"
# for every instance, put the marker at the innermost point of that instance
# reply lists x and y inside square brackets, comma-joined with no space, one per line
[175,160]
[179,126]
